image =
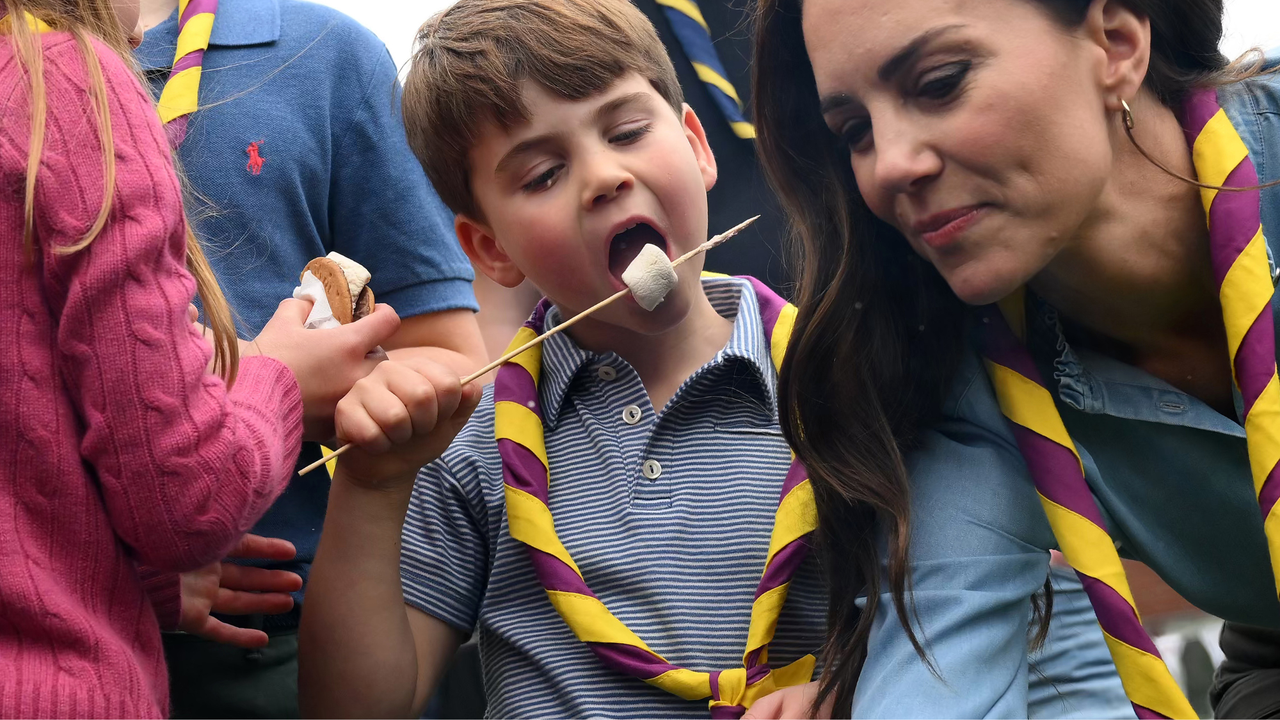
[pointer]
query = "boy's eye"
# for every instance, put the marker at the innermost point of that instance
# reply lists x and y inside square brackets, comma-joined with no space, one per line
[629,136]
[941,83]
[543,181]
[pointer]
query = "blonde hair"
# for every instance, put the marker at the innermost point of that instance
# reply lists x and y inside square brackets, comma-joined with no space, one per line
[97,18]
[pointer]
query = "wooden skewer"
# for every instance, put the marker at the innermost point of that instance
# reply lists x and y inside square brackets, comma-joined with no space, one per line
[718,239]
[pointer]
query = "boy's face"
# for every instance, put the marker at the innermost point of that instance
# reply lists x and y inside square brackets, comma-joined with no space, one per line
[571,197]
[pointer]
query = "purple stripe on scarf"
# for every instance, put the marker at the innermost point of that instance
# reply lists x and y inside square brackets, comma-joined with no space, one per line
[770,304]
[539,316]
[715,684]
[1057,475]
[1002,346]
[1256,358]
[1116,616]
[176,131]
[796,474]
[522,470]
[1198,110]
[1234,218]
[727,712]
[756,674]
[632,661]
[1270,492]
[1147,713]
[784,566]
[555,575]
[188,61]
[195,7]
[515,384]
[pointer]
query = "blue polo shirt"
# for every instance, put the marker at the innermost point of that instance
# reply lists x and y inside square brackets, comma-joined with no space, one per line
[316,96]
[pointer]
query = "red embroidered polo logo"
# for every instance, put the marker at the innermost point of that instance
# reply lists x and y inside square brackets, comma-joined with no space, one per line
[255,160]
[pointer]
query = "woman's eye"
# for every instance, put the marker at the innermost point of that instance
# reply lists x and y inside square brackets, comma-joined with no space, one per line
[855,134]
[629,136]
[942,82]
[543,181]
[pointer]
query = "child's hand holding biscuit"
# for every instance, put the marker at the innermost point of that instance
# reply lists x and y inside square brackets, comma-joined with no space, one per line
[401,416]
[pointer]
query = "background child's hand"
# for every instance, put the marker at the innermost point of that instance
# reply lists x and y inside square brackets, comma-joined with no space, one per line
[327,363]
[401,417]
[230,589]
[792,702]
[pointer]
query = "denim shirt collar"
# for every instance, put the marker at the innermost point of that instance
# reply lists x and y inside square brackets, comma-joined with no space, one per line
[1096,384]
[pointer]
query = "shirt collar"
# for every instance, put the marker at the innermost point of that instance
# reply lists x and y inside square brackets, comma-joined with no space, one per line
[237,23]
[733,298]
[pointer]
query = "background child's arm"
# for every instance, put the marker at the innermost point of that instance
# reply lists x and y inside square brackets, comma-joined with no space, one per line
[362,651]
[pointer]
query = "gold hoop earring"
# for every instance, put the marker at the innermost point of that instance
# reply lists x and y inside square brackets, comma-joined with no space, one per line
[1127,113]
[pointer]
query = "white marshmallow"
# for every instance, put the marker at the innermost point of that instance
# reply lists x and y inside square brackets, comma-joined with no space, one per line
[650,276]
[357,275]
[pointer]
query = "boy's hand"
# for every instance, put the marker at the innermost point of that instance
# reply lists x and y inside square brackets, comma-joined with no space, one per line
[792,702]
[401,416]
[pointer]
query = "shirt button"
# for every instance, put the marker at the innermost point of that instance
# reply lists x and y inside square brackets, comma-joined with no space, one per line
[651,469]
[606,373]
[631,415]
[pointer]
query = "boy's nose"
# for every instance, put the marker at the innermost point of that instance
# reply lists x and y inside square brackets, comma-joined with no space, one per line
[606,181]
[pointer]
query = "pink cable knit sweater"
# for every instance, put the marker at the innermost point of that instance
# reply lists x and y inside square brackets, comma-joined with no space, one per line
[116,447]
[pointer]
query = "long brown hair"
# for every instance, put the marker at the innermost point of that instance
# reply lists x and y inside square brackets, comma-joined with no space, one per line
[97,18]
[879,333]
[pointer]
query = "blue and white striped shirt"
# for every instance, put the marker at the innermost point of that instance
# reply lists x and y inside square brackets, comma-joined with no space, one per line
[676,557]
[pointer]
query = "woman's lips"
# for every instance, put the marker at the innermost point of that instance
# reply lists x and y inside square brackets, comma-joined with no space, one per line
[942,229]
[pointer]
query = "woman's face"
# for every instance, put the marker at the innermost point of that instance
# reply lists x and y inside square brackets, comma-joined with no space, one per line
[978,128]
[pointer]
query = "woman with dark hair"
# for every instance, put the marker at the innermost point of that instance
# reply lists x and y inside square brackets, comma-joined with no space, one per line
[1035,313]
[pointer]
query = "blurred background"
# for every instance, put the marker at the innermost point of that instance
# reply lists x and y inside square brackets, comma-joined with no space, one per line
[1250,23]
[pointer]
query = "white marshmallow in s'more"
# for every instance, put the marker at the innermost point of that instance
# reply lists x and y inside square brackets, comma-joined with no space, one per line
[650,276]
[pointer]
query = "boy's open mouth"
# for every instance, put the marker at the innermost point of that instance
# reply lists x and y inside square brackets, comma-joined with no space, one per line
[626,245]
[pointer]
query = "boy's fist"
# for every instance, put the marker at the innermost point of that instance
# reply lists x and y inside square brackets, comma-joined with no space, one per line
[401,416]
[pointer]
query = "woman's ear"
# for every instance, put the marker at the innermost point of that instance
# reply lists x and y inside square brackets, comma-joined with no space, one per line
[485,252]
[1125,40]
[697,137]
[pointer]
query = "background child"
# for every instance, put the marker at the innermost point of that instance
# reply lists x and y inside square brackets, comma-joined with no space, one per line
[118,446]
[295,149]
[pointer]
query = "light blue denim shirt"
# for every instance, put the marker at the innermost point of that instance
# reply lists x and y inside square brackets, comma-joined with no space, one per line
[1171,475]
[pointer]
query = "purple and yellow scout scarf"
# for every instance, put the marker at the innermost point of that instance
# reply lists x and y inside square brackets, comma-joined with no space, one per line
[518,428]
[181,94]
[1243,273]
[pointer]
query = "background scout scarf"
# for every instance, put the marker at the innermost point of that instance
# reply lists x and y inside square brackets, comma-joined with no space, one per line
[1240,263]
[181,94]
[518,428]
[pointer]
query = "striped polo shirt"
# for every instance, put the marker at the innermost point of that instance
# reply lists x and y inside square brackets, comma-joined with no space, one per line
[668,515]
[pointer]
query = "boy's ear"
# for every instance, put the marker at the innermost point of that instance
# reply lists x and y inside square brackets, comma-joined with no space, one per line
[480,245]
[701,148]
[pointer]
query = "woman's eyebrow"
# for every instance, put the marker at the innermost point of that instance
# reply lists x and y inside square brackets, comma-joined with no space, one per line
[907,56]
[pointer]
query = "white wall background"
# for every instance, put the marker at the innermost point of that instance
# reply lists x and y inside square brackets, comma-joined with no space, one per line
[1249,22]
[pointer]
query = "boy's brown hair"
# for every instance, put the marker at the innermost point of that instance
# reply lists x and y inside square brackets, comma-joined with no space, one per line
[470,60]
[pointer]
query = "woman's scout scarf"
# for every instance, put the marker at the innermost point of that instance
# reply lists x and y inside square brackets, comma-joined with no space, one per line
[1244,279]
[518,428]
[181,94]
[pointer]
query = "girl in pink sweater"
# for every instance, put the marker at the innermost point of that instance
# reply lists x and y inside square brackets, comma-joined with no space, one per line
[117,447]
